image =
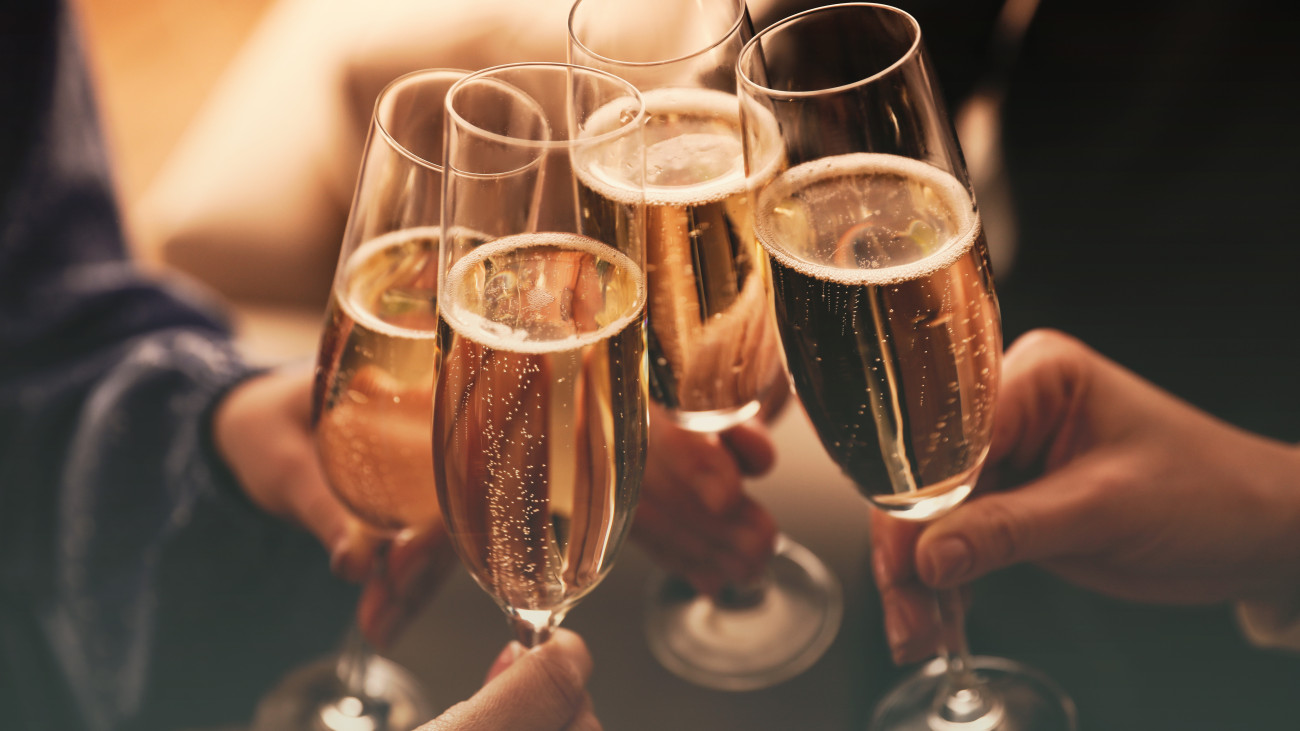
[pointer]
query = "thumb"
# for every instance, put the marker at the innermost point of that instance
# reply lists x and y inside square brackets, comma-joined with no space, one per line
[543,689]
[262,430]
[751,445]
[1039,521]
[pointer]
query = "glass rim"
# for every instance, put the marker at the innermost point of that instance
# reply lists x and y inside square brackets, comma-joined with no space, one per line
[742,12]
[742,61]
[391,88]
[547,144]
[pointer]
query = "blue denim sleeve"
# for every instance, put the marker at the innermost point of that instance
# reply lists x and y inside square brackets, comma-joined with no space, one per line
[138,587]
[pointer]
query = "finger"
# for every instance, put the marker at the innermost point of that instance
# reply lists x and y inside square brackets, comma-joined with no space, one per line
[753,540]
[681,511]
[418,555]
[310,501]
[1044,377]
[893,545]
[706,550]
[752,447]
[694,517]
[688,466]
[1049,518]
[911,628]
[670,540]
[911,625]
[263,431]
[586,719]
[541,690]
[416,565]
[350,544]
[511,652]
[685,549]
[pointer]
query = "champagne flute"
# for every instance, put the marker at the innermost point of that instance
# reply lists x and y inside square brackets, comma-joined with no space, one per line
[884,298]
[371,410]
[540,409]
[714,356]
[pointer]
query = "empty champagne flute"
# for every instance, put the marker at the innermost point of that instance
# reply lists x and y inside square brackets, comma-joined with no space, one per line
[371,410]
[714,355]
[540,410]
[884,298]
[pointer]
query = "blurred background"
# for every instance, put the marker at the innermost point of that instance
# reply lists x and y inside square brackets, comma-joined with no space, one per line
[154,69]
[156,64]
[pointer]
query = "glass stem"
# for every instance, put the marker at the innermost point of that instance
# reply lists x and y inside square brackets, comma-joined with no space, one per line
[353,660]
[355,709]
[736,595]
[743,595]
[530,636]
[534,626]
[965,700]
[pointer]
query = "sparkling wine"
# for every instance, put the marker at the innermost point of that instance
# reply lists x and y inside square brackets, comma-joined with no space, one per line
[889,322]
[540,414]
[374,381]
[713,346]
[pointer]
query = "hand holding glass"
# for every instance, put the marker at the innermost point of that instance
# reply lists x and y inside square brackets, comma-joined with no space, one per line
[885,303]
[371,405]
[714,356]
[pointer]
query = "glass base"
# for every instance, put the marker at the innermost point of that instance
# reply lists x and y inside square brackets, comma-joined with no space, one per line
[311,698]
[777,633]
[1019,699]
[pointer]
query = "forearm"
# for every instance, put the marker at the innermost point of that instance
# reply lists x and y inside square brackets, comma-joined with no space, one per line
[146,566]
[130,565]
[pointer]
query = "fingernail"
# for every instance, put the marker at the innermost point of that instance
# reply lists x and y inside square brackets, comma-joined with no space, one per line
[949,560]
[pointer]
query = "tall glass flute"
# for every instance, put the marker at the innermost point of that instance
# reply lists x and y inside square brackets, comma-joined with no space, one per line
[540,410]
[714,355]
[371,410]
[885,302]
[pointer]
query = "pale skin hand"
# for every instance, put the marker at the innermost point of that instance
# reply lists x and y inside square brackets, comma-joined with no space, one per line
[542,689]
[263,431]
[1114,485]
[695,518]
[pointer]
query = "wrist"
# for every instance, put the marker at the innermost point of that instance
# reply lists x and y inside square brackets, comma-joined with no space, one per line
[1279,585]
[225,479]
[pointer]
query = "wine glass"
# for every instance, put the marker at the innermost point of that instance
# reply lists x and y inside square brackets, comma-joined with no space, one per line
[372,401]
[714,355]
[884,299]
[540,409]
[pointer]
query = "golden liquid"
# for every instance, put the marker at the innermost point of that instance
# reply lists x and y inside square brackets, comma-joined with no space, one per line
[540,414]
[889,322]
[713,346]
[374,381]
